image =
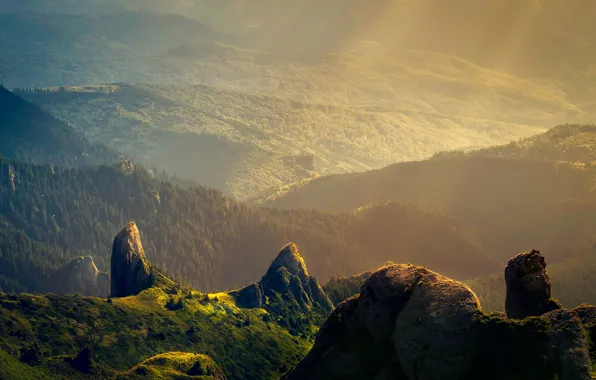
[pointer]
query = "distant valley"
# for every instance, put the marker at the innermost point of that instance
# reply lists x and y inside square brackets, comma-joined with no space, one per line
[257,118]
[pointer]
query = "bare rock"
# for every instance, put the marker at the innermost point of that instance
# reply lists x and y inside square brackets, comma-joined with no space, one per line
[290,258]
[343,349]
[570,344]
[407,323]
[435,334]
[130,270]
[249,297]
[528,286]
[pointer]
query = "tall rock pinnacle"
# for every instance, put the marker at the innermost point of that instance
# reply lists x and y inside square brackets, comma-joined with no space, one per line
[130,270]
[528,286]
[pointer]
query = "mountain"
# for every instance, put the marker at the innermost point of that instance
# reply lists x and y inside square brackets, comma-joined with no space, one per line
[510,196]
[531,37]
[231,136]
[28,133]
[79,49]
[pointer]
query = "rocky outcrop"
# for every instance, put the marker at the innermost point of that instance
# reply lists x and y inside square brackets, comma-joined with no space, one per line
[287,278]
[81,276]
[528,286]
[409,323]
[130,270]
[289,258]
[587,314]
[568,338]
[249,297]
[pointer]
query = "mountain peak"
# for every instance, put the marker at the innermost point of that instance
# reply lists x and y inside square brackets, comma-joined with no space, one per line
[290,258]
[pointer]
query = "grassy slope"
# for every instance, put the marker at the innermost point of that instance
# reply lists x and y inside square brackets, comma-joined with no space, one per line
[12,368]
[123,332]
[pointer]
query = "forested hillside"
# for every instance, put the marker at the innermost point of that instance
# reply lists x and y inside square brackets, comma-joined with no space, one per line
[574,144]
[28,133]
[200,236]
[510,203]
[242,142]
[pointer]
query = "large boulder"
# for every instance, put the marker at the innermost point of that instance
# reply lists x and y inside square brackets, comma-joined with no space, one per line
[409,323]
[131,272]
[528,286]
[406,323]
[434,334]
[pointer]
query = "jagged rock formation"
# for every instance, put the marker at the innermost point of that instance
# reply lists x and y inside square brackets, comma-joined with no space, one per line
[131,272]
[287,276]
[82,276]
[287,279]
[528,286]
[409,323]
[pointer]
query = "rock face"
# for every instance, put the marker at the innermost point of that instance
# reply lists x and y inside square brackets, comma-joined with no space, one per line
[568,337]
[528,286]
[249,297]
[409,323]
[130,270]
[82,276]
[287,278]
